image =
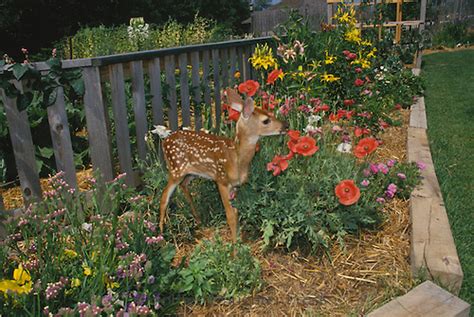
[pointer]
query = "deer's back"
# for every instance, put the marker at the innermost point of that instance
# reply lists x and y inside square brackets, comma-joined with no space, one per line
[198,153]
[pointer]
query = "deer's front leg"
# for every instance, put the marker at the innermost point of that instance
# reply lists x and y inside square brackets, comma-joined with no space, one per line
[165,198]
[230,212]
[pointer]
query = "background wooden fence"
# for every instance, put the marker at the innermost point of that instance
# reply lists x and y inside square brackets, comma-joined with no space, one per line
[200,71]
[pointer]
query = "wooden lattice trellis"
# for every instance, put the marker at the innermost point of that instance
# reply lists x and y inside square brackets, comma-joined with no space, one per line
[398,24]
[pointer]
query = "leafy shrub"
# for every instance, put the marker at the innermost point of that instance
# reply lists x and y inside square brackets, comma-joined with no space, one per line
[220,270]
[451,34]
[99,41]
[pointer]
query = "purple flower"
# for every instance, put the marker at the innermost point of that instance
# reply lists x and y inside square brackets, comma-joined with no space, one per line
[153,240]
[383,168]
[421,166]
[365,183]
[366,172]
[401,176]
[380,200]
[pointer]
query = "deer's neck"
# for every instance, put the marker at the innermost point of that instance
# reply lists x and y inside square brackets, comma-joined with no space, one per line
[245,150]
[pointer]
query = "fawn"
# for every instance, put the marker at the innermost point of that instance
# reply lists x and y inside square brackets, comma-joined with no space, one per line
[189,154]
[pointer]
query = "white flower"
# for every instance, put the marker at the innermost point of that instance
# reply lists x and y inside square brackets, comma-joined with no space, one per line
[312,119]
[344,147]
[311,129]
[162,131]
[87,226]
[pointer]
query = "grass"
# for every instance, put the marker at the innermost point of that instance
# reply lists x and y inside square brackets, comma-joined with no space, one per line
[450,110]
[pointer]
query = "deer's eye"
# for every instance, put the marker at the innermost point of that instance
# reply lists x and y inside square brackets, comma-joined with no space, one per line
[266,121]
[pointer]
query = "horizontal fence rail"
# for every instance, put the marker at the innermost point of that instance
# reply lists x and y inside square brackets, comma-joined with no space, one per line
[125,95]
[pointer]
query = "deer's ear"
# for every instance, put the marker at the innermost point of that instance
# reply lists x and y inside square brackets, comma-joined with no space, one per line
[248,108]
[234,100]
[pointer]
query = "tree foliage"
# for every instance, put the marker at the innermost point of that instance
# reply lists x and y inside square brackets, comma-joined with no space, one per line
[38,24]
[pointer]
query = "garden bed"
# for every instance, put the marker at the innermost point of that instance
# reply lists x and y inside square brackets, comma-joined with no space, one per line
[373,268]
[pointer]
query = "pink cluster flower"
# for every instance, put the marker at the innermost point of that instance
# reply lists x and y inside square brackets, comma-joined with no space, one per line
[421,166]
[153,240]
[85,309]
[53,289]
[365,182]
[401,176]
[119,243]
[391,190]
[380,200]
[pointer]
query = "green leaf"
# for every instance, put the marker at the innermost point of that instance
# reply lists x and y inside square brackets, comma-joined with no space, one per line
[45,152]
[24,100]
[19,70]
[78,86]
[52,97]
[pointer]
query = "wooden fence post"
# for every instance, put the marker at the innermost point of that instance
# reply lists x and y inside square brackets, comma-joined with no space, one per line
[97,124]
[171,81]
[138,96]
[61,137]
[23,149]
[122,134]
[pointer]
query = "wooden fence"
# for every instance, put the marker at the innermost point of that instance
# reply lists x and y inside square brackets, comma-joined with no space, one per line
[203,71]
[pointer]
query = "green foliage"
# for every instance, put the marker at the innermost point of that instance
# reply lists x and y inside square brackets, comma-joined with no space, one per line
[101,40]
[451,34]
[103,250]
[220,270]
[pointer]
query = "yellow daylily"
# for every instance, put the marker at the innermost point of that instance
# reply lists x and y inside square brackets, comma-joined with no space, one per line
[353,35]
[329,78]
[263,58]
[75,282]
[330,59]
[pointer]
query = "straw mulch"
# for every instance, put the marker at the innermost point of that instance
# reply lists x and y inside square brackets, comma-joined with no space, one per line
[372,268]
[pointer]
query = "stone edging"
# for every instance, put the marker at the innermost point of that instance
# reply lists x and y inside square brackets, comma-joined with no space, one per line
[433,253]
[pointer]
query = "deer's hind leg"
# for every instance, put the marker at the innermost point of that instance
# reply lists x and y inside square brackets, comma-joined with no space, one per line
[165,198]
[184,187]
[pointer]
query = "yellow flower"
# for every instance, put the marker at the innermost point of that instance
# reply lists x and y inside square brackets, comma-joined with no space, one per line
[330,59]
[364,63]
[87,270]
[329,78]
[237,75]
[20,284]
[109,283]
[315,64]
[372,53]
[353,36]
[70,253]
[75,282]
[345,16]
[263,58]
[366,43]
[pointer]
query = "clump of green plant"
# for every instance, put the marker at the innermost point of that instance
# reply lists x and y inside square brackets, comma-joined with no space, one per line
[72,254]
[451,34]
[220,270]
[139,35]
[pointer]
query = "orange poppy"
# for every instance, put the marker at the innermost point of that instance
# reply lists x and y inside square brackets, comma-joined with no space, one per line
[347,192]
[232,115]
[249,87]
[304,145]
[365,147]
[273,76]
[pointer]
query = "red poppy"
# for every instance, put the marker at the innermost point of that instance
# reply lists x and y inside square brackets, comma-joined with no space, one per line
[365,147]
[277,165]
[349,114]
[360,131]
[349,102]
[273,76]
[232,115]
[293,134]
[358,82]
[305,146]
[249,87]
[347,192]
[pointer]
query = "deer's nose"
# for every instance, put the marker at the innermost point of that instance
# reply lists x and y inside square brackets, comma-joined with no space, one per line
[285,126]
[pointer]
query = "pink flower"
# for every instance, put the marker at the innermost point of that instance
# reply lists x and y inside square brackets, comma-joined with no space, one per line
[374,169]
[380,200]
[358,70]
[401,176]
[383,168]
[421,166]
[365,183]
[358,82]
[391,163]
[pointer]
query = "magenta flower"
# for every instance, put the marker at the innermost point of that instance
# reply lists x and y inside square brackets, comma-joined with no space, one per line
[380,200]
[391,163]
[366,172]
[383,168]
[365,183]
[374,169]
[401,176]
[421,166]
